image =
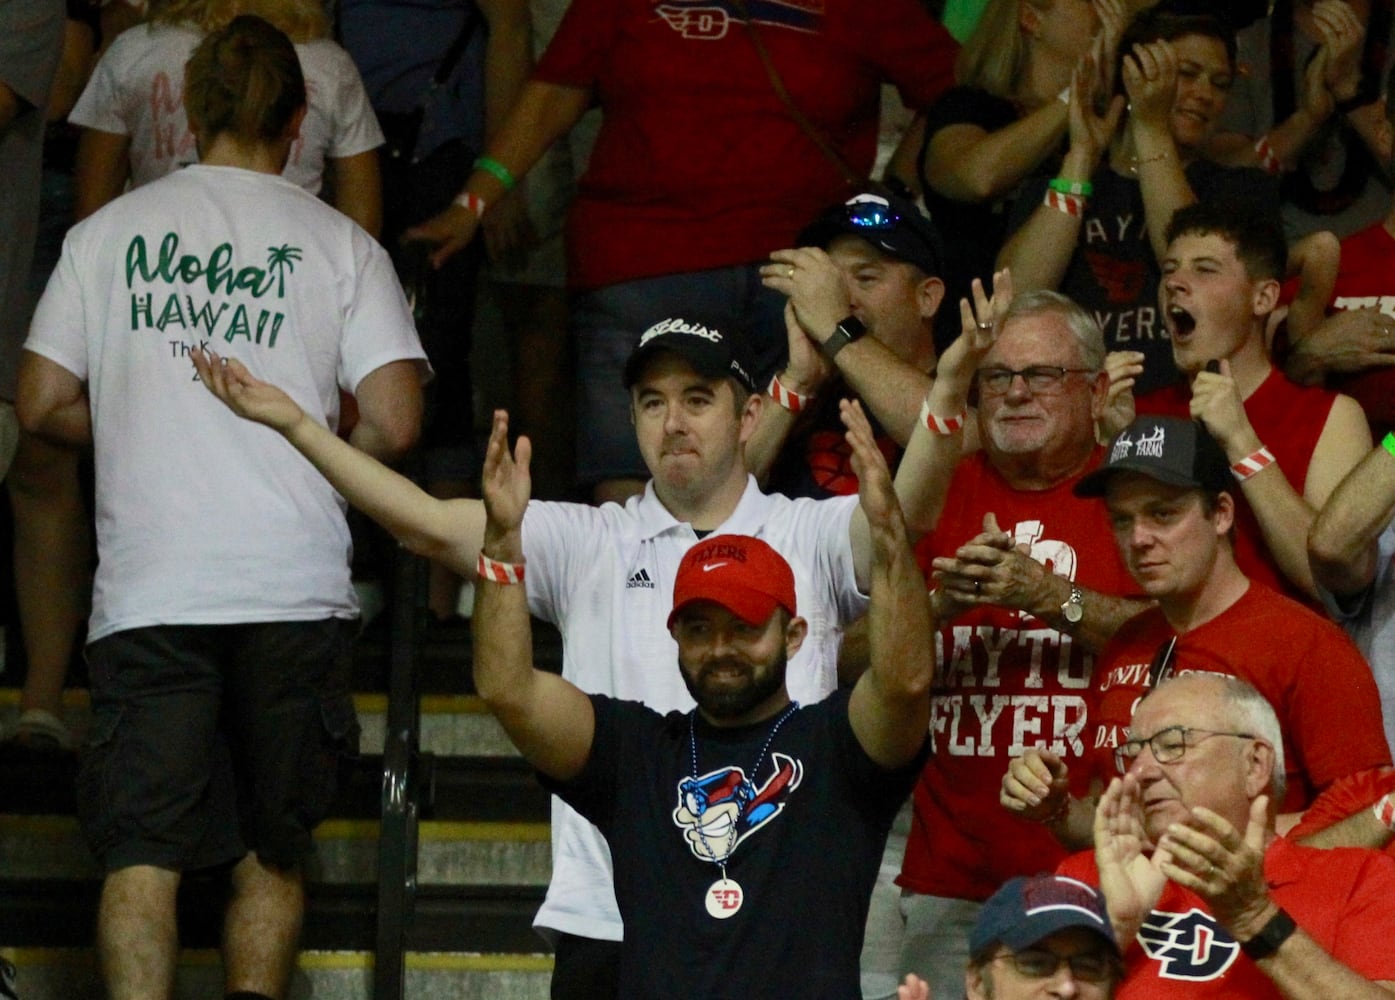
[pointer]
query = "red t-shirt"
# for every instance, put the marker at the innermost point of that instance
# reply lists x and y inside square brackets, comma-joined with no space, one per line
[1366,279]
[1006,683]
[1343,898]
[1320,687]
[1289,419]
[698,163]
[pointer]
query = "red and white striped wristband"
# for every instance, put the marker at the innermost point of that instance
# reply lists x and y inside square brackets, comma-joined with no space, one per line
[1267,159]
[942,425]
[1252,464]
[787,397]
[1070,204]
[472,201]
[499,572]
[1385,810]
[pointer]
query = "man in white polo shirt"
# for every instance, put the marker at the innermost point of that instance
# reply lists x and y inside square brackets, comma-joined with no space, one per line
[605,575]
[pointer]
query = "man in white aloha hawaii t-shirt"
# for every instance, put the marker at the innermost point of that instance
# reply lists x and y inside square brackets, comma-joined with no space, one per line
[222,612]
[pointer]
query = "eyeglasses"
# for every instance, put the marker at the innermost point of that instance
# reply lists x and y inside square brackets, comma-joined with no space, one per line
[1168,745]
[1037,963]
[1037,378]
[871,215]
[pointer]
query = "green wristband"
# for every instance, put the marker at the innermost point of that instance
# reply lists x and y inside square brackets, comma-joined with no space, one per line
[500,172]
[1082,188]
[1388,442]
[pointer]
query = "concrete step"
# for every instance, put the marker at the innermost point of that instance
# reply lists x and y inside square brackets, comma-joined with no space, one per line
[346,852]
[71,974]
[451,725]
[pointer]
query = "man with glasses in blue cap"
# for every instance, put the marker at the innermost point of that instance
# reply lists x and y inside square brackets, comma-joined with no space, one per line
[1206,899]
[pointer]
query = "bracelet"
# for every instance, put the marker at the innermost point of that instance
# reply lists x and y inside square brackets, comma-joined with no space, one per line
[787,397]
[1385,811]
[1071,204]
[944,426]
[1278,930]
[499,572]
[500,172]
[1267,159]
[1064,97]
[471,201]
[1083,188]
[1135,162]
[1252,464]
[1388,442]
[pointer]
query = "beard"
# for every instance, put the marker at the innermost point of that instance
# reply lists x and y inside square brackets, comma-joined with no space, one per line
[731,700]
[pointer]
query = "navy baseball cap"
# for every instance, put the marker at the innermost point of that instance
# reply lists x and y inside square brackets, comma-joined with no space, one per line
[1171,450]
[711,352]
[1025,910]
[892,224]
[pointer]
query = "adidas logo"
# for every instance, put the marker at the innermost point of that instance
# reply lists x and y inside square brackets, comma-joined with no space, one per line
[639,579]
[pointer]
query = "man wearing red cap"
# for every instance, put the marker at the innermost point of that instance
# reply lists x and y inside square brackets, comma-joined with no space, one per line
[746,834]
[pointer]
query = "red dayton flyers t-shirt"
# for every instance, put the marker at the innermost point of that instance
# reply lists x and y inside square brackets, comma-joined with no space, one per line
[1289,419]
[1307,668]
[699,164]
[1007,683]
[1343,898]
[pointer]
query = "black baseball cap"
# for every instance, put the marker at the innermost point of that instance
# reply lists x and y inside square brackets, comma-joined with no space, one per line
[1027,909]
[1169,449]
[712,353]
[890,223]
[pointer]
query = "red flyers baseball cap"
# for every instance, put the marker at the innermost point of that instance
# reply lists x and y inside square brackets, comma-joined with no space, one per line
[741,573]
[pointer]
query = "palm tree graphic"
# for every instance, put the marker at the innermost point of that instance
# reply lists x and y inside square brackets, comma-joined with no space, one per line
[281,260]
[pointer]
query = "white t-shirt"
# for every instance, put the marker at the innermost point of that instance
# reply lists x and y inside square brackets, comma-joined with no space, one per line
[137,90]
[202,517]
[604,576]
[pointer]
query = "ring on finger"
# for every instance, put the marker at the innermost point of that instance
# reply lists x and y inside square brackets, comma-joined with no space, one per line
[986,326]
[790,273]
[978,586]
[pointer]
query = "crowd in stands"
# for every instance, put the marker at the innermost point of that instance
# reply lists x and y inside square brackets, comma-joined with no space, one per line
[1021,520]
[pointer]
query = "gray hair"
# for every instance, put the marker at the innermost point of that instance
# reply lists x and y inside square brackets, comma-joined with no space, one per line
[1250,712]
[1087,332]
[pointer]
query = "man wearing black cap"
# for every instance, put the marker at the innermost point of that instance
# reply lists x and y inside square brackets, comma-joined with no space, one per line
[746,833]
[604,575]
[1169,493]
[864,287]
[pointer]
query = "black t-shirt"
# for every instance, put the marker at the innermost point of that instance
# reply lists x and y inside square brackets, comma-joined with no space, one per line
[1113,272]
[973,231]
[808,830]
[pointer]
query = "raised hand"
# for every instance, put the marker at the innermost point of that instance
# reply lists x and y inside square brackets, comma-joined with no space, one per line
[248,397]
[1216,402]
[1123,369]
[1131,881]
[814,285]
[914,988]
[874,487]
[1150,79]
[506,484]
[1207,855]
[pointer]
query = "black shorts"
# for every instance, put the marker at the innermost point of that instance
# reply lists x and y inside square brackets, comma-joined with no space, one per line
[209,741]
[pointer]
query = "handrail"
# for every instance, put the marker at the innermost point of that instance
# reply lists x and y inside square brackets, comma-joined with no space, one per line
[402,784]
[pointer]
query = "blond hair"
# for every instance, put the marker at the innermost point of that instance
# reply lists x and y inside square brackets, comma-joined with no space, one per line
[243,80]
[298,20]
[995,54]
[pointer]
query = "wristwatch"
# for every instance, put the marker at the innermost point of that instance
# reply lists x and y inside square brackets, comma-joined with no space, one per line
[848,329]
[1074,608]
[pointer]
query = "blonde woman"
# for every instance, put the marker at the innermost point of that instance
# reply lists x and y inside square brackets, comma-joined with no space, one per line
[135,128]
[1003,120]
